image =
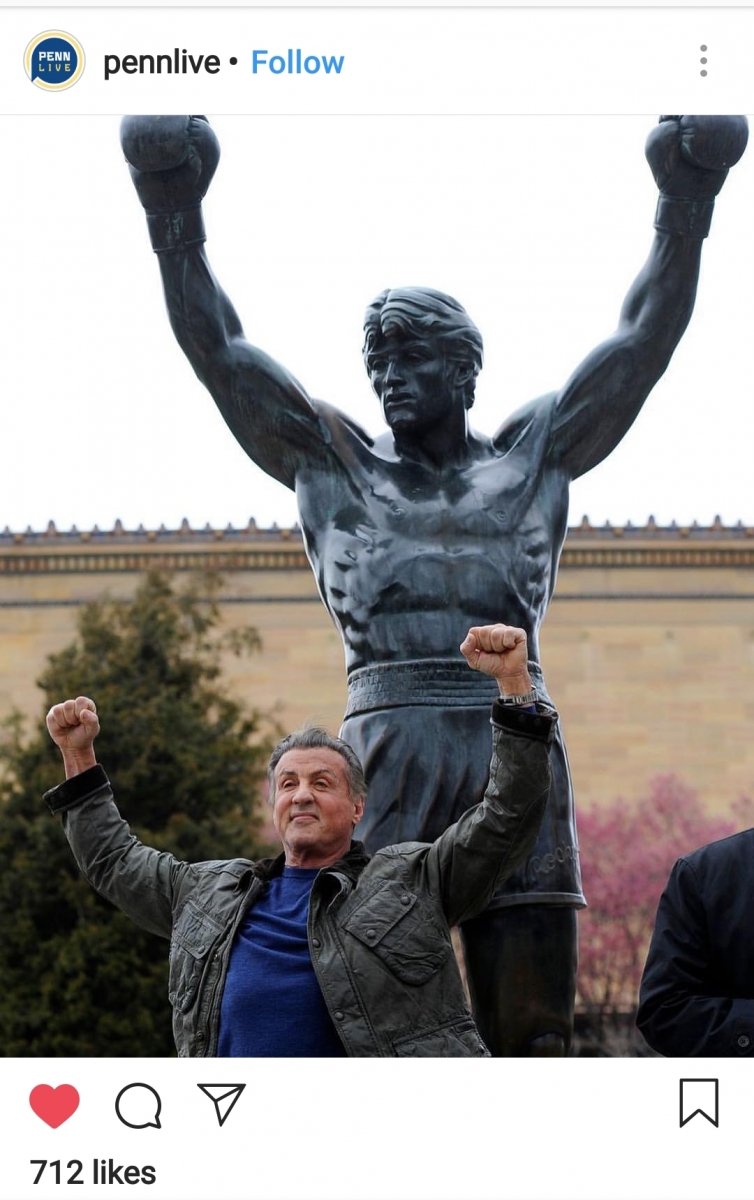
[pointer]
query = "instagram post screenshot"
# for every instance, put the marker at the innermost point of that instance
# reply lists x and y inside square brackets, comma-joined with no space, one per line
[377,603]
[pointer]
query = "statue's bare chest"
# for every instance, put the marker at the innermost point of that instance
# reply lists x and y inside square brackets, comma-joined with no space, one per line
[487,518]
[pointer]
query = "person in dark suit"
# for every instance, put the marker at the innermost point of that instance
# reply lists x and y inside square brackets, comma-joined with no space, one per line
[697,991]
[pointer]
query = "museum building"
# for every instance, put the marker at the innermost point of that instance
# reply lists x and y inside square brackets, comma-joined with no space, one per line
[648,645]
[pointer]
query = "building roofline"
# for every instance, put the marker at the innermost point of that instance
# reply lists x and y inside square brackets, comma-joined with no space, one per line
[252,534]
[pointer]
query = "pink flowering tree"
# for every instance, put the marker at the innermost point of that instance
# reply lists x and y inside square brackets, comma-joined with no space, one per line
[627,852]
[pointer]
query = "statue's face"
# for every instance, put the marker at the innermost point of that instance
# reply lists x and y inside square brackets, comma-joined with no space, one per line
[416,385]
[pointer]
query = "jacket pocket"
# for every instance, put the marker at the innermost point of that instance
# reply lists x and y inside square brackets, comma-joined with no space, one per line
[401,929]
[459,1039]
[193,936]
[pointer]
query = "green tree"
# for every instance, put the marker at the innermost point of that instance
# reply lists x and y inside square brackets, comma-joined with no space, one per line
[76,976]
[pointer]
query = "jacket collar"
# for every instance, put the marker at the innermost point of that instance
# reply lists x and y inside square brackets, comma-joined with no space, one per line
[351,864]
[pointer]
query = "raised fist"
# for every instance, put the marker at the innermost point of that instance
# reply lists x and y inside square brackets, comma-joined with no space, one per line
[73,725]
[690,156]
[499,651]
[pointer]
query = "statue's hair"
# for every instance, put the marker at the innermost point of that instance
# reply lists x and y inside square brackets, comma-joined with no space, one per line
[315,737]
[422,312]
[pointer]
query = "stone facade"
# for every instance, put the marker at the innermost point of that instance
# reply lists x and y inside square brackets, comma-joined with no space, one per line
[648,645]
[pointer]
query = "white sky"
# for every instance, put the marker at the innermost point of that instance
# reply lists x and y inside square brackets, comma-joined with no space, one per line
[537,225]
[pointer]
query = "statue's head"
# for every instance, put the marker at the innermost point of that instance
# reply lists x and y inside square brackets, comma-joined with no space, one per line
[420,348]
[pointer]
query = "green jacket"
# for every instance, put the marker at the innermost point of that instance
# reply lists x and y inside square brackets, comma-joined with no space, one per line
[379,927]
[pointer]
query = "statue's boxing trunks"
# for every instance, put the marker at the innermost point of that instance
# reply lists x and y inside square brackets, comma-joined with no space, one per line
[422,732]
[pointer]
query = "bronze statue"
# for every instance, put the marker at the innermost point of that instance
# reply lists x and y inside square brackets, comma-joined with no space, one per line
[431,527]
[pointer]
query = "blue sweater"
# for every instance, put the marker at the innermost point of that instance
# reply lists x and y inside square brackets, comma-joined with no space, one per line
[272,1006]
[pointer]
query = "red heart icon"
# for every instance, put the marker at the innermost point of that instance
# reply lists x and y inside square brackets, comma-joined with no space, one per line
[54,1105]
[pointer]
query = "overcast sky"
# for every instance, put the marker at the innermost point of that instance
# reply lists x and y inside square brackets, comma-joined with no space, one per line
[537,225]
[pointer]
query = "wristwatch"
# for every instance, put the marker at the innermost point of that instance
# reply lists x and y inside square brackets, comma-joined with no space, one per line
[520,700]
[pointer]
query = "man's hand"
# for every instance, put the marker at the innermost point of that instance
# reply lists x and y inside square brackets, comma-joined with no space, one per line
[172,161]
[499,651]
[73,726]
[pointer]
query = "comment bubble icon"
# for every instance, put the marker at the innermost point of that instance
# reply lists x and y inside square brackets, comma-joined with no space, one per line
[138,1106]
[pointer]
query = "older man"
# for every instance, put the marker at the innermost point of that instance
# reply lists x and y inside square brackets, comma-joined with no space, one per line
[323,951]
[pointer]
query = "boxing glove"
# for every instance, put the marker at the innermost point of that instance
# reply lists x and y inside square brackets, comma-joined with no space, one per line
[172,161]
[690,158]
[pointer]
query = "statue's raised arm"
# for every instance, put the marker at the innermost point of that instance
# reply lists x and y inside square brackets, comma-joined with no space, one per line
[690,158]
[172,161]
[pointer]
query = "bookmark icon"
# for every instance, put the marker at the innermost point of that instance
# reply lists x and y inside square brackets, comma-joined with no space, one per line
[700,1098]
[223,1096]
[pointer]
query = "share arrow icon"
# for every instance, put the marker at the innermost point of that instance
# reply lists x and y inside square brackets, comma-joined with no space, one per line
[223,1096]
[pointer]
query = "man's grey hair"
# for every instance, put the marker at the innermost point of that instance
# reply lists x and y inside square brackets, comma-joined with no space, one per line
[313,737]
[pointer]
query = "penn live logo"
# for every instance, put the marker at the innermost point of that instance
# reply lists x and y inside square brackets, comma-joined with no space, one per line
[54,60]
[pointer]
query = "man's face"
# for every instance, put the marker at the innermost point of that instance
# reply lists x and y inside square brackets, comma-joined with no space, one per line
[313,811]
[416,384]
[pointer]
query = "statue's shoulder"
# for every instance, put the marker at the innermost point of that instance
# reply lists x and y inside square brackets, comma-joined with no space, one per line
[341,432]
[528,427]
